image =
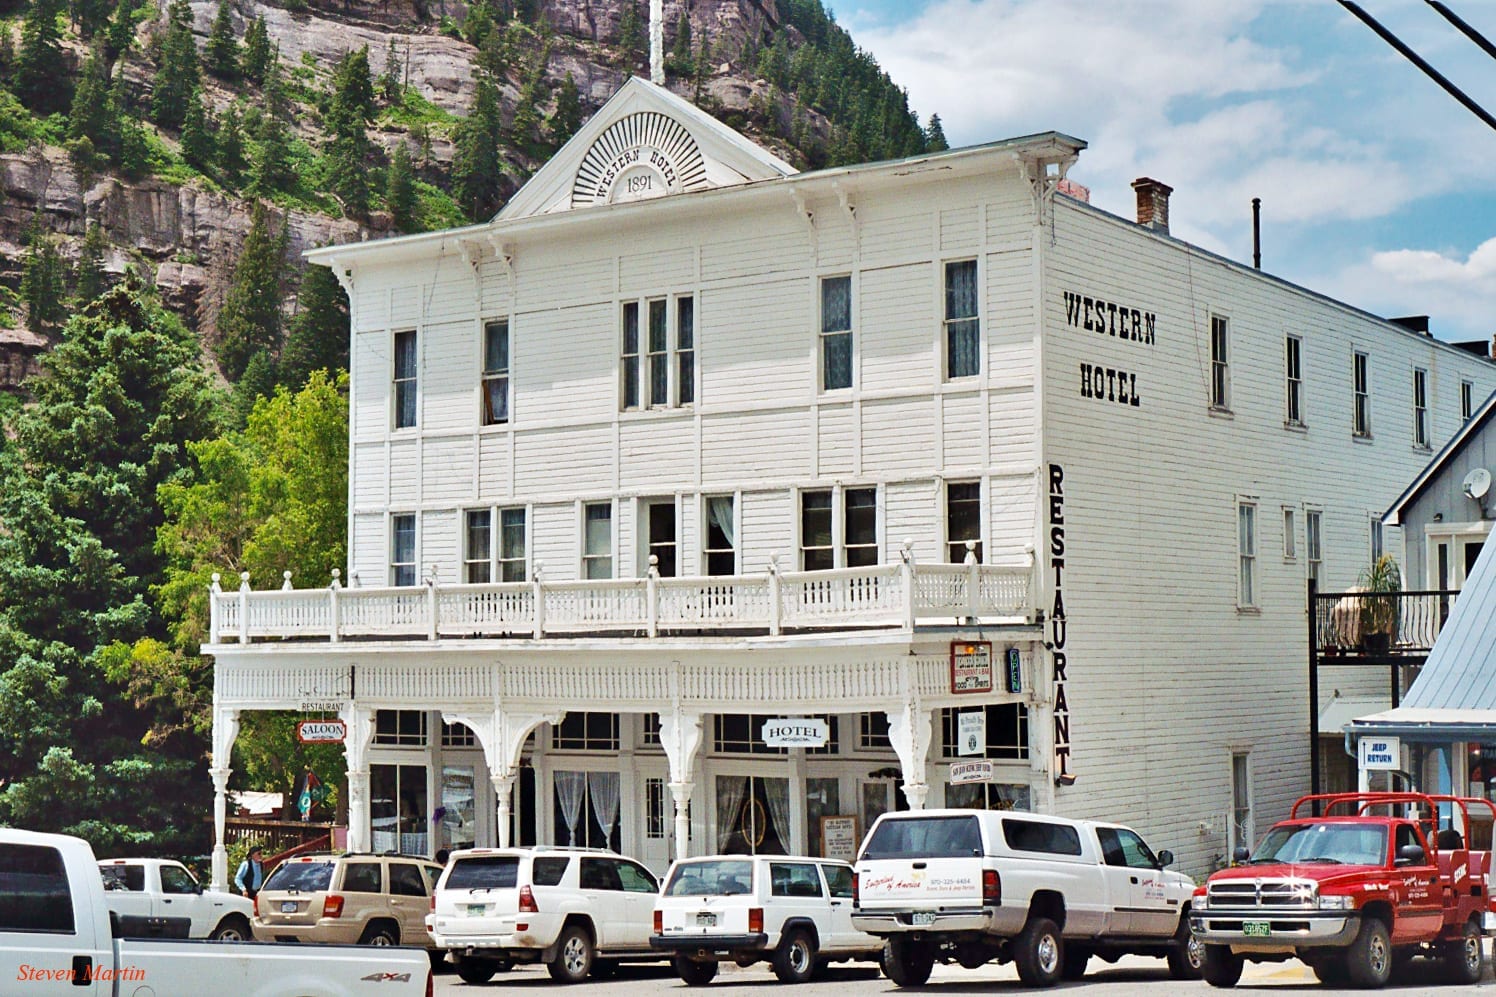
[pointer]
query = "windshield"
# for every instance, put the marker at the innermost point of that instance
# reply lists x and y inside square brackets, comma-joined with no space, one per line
[308,877]
[726,878]
[1346,844]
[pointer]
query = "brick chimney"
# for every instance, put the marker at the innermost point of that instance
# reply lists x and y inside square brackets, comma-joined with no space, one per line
[1153,203]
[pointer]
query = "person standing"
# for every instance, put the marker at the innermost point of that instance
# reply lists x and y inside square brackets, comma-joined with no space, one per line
[251,874]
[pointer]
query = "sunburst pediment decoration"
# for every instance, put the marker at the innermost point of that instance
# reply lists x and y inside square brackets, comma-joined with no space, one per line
[644,155]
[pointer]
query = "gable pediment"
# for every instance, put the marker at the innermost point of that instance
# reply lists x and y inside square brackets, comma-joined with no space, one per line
[643,143]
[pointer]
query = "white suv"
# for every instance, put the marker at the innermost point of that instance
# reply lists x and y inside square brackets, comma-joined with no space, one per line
[794,912]
[577,910]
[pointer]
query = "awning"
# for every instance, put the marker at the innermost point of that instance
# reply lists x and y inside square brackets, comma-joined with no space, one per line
[1454,696]
[1336,715]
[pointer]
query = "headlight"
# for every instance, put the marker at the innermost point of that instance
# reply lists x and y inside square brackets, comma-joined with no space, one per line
[1337,903]
[1201,902]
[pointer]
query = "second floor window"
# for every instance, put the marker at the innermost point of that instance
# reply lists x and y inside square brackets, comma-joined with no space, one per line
[1246,521]
[658,366]
[405,379]
[659,525]
[630,359]
[512,545]
[1220,368]
[403,549]
[1361,394]
[1467,400]
[649,379]
[1290,535]
[817,545]
[721,536]
[962,327]
[1313,552]
[828,541]
[963,519]
[597,540]
[1420,407]
[685,349]
[1294,377]
[477,556]
[495,373]
[836,333]
[861,533]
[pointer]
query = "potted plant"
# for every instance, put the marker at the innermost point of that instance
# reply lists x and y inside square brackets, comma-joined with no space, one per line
[1379,607]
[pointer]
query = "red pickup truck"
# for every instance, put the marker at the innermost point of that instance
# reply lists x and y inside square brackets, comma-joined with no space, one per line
[1379,880]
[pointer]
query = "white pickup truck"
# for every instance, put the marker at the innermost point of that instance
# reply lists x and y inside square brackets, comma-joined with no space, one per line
[1047,893]
[161,888]
[58,936]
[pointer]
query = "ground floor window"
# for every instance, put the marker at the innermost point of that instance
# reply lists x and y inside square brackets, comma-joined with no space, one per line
[753,815]
[459,807]
[398,808]
[988,796]
[586,809]
[822,799]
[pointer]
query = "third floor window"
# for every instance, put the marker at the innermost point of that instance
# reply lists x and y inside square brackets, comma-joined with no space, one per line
[1361,394]
[836,333]
[1293,367]
[962,326]
[405,379]
[495,373]
[1220,363]
[1421,434]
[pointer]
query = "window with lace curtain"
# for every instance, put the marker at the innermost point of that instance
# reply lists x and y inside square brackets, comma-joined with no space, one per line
[962,325]
[721,548]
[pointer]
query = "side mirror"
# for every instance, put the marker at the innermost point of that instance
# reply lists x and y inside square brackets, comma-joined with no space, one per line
[197,888]
[1165,858]
[1241,854]
[1411,855]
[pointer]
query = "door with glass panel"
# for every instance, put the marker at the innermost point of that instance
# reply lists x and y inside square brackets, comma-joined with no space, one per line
[753,815]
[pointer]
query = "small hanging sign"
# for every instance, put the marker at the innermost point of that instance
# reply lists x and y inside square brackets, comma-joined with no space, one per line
[321,731]
[796,732]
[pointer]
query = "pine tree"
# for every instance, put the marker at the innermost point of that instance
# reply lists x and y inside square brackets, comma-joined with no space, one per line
[567,117]
[222,50]
[90,16]
[42,281]
[630,33]
[400,191]
[681,63]
[40,75]
[478,24]
[134,158]
[199,135]
[349,110]
[476,166]
[935,135]
[257,381]
[89,281]
[92,114]
[7,53]
[389,81]
[270,171]
[250,319]
[178,75]
[256,61]
[231,146]
[120,34]
[318,337]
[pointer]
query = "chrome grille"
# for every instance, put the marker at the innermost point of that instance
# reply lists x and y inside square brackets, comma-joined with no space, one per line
[1274,894]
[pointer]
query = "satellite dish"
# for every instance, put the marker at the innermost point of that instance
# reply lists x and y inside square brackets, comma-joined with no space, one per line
[1477,483]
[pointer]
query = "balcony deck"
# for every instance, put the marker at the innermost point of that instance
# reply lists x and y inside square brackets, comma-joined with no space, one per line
[897,595]
[1378,628]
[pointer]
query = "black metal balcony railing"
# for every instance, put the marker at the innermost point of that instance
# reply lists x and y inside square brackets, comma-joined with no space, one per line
[1379,624]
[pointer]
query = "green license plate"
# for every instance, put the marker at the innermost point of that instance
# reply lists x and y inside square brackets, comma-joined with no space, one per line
[1256,929]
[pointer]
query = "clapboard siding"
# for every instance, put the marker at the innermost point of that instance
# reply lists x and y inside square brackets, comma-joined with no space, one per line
[898,328]
[405,472]
[758,343]
[550,463]
[368,550]
[447,468]
[554,541]
[662,269]
[836,448]
[655,453]
[440,545]
[773,445]
[898,438]
[564,364]
[448,386]
[768,519]
[909,509]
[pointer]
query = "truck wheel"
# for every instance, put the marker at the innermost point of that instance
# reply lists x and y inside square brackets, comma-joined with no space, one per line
[1187,954]
[1464,960]
[232,929]
[475,971]
[1330,970]
[907,964]
[573,955]
[1038,951]
[1220,966]
[693,973]
[1073,967]
[380,934]
[1368,961]
[795,959]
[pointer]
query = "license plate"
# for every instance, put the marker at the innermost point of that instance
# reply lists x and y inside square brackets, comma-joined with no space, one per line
[706,920]
[1256,929]
[288,906]
[476,910]
[922,917]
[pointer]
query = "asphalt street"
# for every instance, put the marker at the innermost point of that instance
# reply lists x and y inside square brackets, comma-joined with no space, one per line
[1130,977]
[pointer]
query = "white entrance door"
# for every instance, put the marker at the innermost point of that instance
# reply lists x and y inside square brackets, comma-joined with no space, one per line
[656,831]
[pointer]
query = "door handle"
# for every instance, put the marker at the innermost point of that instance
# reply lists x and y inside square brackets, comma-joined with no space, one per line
[919,865]
[82,970]
[1134,880]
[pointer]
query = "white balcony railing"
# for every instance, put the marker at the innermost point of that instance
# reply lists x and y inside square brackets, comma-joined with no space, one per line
[900,594]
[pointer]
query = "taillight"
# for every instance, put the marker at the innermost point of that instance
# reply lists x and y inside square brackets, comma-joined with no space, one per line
[992,888]
[755,920]
[257,904]
[332,906]
[856,887]
[433,903]
[527,901]
[659,922]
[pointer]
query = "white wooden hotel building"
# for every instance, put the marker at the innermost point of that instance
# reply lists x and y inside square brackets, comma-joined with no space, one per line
[684,441]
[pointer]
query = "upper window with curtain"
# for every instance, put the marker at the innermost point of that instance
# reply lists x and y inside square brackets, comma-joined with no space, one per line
[495,373]
[962,326]
[405,379]
[721,548]
[836,333]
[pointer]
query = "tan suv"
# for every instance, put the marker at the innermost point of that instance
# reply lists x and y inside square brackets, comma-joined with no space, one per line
[348,899]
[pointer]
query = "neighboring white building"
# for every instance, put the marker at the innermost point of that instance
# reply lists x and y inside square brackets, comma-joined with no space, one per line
[806,397]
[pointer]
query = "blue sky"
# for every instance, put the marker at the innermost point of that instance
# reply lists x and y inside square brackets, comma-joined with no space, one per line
[1378,188]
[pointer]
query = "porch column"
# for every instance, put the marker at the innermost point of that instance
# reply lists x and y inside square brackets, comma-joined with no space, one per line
[225,731]
[680,735]
[909,732]
[503,737]
[360,724]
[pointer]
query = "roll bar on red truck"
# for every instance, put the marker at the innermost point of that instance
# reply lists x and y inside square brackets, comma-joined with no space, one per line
[1378,880]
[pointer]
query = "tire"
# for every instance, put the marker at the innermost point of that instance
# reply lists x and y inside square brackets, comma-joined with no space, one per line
[1465,960]
[1187,954]
[573,955]
[1039,953]
[1331,971]
[232,929]
[693,973]
[795,959]
[1220,966]
[1073,966]
[1368,961]
[438,958]
[380,934]
[907,964]
[475,971]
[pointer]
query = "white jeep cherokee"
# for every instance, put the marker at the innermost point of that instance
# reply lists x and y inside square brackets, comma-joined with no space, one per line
[577,910]
[794,912]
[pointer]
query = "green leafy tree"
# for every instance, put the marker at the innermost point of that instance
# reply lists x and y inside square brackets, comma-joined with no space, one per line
[115,405]
[199,135]
[178,75]
[935,135]
[476,166]
[257,52]
[318,337]
[250,319]
[350,108]
[43,281]
[40,75]
[567,117]
[222,50]
[400,190]
[89,281]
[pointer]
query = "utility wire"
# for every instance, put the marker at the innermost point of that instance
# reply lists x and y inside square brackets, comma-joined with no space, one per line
[1459,22]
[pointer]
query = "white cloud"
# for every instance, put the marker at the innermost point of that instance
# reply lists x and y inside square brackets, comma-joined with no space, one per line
[1459,293]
